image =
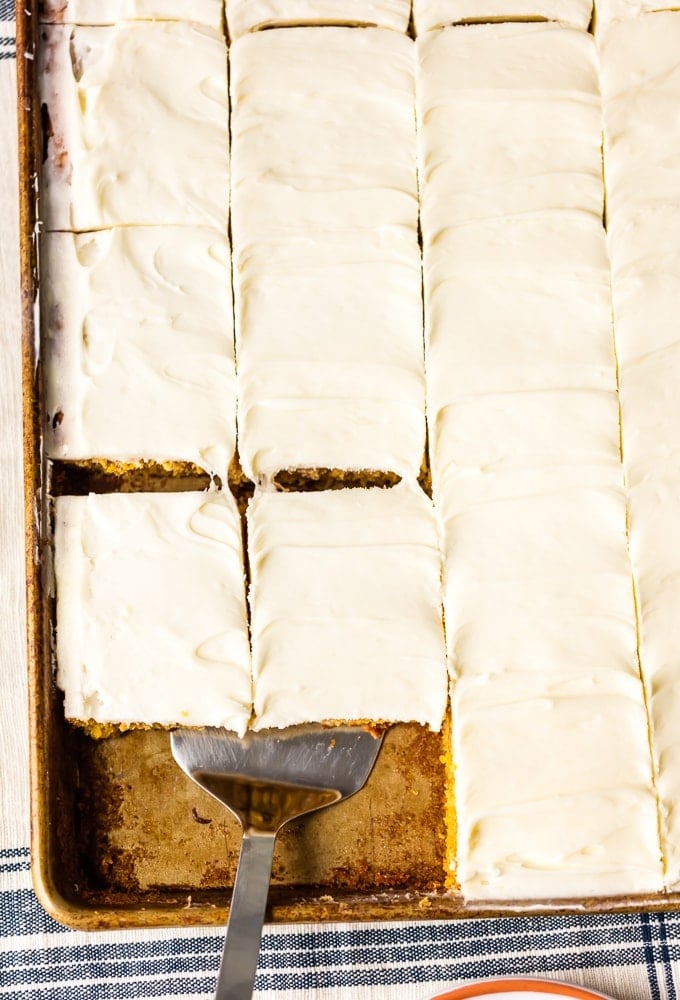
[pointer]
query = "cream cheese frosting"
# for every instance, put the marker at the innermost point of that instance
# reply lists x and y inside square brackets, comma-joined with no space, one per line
[346,97]
[641,90]
[326,256]
[208,12]
[517,304]
[136,125]
[249,15]
[538,580]
[510,123]
[429,14]
[151,609]
[138,343]
[516,271]
[345,607]
[655,542]
[622,10]
[640,67]
[554,787]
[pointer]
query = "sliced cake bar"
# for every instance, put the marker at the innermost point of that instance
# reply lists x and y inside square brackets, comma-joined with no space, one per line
[326,257]
[136,124]
[139,350]
[151,610]
[345,607]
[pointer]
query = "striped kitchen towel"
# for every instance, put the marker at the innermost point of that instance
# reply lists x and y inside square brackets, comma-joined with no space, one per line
[629,957]
[7,43]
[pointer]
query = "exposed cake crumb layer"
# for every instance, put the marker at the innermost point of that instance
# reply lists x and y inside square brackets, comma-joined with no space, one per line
[151,610]
[641,89]
[305,480]
[429,14]
[139,352]
[249,15]
[326,257]
[346,607]
[126,108]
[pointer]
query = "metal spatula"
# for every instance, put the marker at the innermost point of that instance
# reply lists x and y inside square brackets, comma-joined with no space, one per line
[267,779]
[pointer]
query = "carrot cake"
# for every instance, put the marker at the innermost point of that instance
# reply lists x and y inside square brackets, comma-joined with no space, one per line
[345,605]
[641,89]
[524,449]
[151,615]
[325,249]
[136,125]
[341,135]
[138,345]
[249,15]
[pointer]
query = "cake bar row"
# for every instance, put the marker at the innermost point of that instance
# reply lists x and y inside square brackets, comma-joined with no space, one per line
[345,609]
[346,625]
[524,450]
[326,262]
[641,91]
[243,16]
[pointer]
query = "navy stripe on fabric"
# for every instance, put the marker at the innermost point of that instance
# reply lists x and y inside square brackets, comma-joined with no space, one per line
[14,866]
[69,972]
[41,967]
[511,965]
[666,958]
[648,947]
[14,852]
[118,988]
[21,913]
[6,10]
[471,937]
[339,953]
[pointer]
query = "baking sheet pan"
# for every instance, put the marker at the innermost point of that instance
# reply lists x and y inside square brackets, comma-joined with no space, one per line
[120,836]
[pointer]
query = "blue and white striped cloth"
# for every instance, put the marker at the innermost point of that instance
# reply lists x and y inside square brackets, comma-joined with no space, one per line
[7,47]
[629,957]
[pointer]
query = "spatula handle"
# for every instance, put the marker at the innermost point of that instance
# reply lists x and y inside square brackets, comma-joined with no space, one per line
[246,917]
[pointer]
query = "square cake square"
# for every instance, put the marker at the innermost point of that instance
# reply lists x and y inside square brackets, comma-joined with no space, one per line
[137,330]
[345,607]
[151,610]
[136,123]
